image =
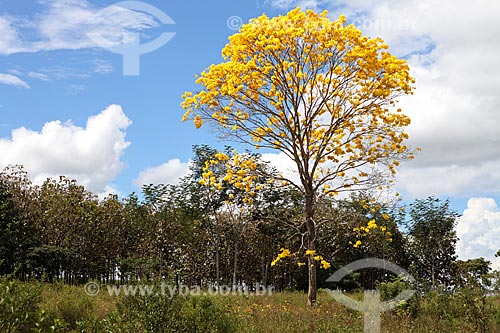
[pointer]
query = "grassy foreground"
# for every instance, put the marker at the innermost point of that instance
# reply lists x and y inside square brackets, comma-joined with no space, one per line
[40,307]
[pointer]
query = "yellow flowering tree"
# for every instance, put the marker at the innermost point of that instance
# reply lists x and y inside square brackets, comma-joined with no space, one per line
[318,91]
[237,181]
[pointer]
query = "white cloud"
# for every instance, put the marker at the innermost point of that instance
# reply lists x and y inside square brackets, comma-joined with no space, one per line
[39,76]
[283,164]
[454,53]
[453,49]
[102,67]
[67,24]
[280,4]
[108,190]
[10,41]
[13,81]
[289,4]
[169,172]
[479,231]
[90,154]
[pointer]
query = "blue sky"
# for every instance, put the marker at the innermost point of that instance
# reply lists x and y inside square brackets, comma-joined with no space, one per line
[66,107]
[79,83]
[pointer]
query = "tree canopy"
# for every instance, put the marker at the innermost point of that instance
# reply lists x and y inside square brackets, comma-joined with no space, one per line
[318,91]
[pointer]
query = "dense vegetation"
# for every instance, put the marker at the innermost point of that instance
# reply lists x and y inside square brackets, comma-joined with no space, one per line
[186,233]
[39,307]
[58,234]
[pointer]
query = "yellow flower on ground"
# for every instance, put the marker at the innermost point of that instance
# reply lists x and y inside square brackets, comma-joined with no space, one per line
[310,252]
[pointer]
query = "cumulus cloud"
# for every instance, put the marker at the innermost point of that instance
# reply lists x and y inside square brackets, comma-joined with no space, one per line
[13,80]
[479,231]
[90,154]
[454,53]
[173,170]
[169,172]
[283,164]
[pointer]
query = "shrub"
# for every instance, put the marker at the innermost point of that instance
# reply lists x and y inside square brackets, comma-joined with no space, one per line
[206,314]
[177,314]
[389,290]
[18,305]
[477,309]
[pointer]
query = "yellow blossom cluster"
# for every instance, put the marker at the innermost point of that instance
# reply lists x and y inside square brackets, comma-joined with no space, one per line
[364,231]
[283,254]
[239,171]
[323,263]
[310,252]
[313,88]
[286,253]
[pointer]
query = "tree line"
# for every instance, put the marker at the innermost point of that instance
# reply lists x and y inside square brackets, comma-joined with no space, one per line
[194,234]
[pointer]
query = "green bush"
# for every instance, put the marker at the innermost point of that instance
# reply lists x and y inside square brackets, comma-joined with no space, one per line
[74,308]
[389,290]
[18,305]
[476,307]
[164,314]
[206,314]
[20,308]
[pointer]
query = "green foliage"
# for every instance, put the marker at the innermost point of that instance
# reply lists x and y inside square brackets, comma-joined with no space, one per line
[432,241]
[8,224]
[20,309]
[73,308]
[60,308]
[49,260]
[176,314]
[389,290]
[436,308]
[17,236]
[18,305]
[471,271]
[476,307]
[206,314]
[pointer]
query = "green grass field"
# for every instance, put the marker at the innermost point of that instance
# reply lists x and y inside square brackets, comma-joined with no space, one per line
[40,307]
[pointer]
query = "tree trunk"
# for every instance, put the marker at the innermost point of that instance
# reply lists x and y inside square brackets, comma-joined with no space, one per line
[264,271]
[235,262]
[311,264]
[161,263]
[433,273]
[217,262]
